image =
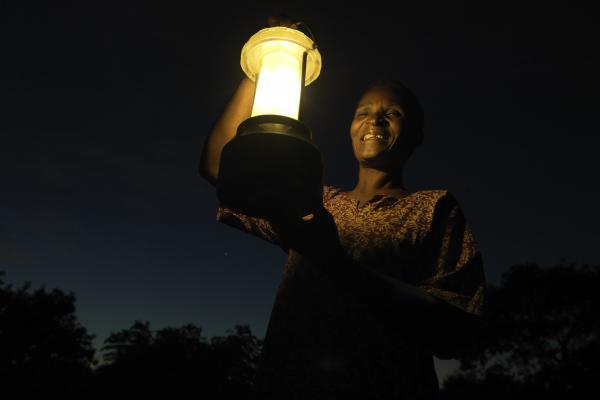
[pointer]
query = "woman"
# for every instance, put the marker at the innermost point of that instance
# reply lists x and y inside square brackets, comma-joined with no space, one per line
[378,280]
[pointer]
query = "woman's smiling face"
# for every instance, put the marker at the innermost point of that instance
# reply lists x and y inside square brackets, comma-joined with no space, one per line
[378,139]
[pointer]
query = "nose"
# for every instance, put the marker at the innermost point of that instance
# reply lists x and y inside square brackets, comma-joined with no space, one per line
[377,119]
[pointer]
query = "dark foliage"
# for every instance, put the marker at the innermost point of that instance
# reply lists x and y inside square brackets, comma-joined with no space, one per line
[44,350]
[177,363]
[541,337]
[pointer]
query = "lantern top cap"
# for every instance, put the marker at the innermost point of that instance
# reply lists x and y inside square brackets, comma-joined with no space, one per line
[265,40]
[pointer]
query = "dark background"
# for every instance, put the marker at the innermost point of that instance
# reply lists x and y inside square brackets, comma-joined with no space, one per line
[105,106]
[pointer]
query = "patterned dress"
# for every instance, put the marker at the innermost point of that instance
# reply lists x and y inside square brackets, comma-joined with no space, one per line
[322,342]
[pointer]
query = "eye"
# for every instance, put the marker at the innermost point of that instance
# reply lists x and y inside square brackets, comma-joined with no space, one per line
[394,113]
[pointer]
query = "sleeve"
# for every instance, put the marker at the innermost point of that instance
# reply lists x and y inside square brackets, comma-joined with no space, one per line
[256,226]
[457,276]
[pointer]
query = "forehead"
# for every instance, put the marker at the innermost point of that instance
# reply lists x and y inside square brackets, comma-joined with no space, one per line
[378,96]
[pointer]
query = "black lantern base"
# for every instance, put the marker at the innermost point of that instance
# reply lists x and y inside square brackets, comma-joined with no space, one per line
[271,165]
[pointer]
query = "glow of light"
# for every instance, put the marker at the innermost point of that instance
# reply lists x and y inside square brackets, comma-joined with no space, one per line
[275,59]
[279,82]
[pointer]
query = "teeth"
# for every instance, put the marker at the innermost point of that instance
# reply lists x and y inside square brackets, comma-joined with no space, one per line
[369,136]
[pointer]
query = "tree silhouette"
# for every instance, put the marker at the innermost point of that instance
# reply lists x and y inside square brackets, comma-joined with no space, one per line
[235,360]
[177,363]
[128,344]
[44,350]
[542,337]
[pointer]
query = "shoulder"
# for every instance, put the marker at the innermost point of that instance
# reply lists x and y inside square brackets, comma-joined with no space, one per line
[434,206]
[331,192]
[433,198]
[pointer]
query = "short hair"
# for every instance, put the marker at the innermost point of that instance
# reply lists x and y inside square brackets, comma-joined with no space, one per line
[410,104]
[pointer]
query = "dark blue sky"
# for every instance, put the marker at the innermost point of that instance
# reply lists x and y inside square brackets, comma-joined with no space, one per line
[105,106]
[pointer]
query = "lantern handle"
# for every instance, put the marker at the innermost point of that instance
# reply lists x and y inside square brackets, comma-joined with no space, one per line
[295,25]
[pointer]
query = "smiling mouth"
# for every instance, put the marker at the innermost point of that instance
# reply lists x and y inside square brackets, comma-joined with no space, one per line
[373,136]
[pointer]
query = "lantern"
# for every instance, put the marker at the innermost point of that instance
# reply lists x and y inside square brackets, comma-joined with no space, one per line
[272,162]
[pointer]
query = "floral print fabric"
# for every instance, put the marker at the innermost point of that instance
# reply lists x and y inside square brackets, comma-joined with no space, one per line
[323,344]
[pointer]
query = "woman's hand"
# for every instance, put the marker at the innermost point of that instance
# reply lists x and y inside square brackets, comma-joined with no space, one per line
[280,20]
[313,235]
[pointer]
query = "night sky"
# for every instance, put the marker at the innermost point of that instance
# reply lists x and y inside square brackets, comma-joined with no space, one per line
[105,107]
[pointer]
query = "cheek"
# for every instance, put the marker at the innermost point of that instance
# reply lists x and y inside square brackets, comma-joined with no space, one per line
[354,139]
[353,130]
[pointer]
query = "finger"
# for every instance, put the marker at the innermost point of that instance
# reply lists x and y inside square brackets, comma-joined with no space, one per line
[279,20]
[308,217]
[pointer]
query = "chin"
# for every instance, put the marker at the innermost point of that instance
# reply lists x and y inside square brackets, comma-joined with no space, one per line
[373,155]
[372,162]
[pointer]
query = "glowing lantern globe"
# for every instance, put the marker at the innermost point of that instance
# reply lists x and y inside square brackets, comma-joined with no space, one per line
[272,162]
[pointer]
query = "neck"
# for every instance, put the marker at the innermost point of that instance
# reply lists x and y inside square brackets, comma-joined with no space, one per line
[374,181]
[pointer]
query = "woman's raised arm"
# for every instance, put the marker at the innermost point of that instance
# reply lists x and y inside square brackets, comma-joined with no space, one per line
[237,109]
